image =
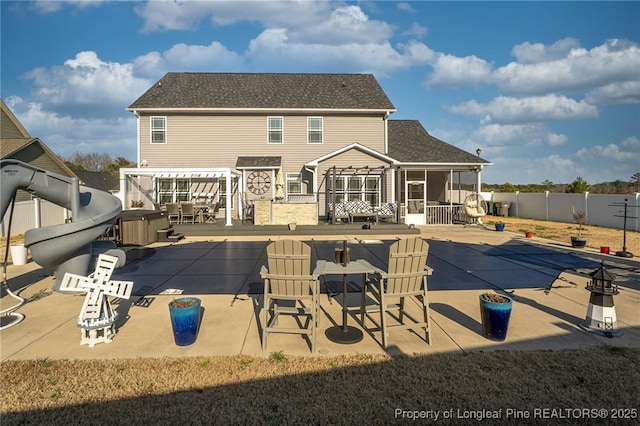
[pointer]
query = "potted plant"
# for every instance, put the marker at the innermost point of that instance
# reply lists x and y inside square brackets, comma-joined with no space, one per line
[495,311]
[580,217]
[499,226]
[185,319]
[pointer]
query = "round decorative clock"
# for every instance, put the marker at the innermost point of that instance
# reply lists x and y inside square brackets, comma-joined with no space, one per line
[258,182]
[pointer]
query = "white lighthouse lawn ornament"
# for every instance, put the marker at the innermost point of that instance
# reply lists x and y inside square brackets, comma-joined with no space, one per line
[601,313]
[97,318]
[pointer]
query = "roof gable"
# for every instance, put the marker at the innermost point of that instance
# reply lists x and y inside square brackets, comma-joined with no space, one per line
[33,151]
[10,127]
[355,145]
[409,142]
[264,91]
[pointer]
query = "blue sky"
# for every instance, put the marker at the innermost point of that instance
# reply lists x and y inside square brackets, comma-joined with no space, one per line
[547,90]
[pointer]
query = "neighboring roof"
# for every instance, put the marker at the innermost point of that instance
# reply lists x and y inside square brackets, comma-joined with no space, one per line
[26,148]
[264,91]
[11,145]
[33,151]
[98,180]
[409,142]
[9,124]
[258,162]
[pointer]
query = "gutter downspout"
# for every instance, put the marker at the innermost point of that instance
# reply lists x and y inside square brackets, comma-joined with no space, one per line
[138,160]
[386,132]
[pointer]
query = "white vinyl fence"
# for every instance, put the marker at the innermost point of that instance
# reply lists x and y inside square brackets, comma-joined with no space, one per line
[33,214]
[602,209]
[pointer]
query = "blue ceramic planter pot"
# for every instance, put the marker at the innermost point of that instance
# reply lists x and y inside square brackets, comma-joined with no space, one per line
[495,318]
[185,320]
[499,227]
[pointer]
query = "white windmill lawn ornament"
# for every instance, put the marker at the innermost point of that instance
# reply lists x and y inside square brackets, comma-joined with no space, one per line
[97,318]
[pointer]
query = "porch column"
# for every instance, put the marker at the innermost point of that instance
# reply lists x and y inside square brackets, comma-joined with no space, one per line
[228,195]
[479,180]
[398,192]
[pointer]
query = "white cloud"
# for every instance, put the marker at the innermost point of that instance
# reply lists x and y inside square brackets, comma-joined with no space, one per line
[514,110]
[558,161]
[405,7]
[185,57]
[453,71]
[48,6]
[518,135]
[627,92]
[345,25]
[528,53]
[273,47]
[615,61]
[187,15]
[416,30]
[115,135]
[628,151]
[86,83]
[632,143]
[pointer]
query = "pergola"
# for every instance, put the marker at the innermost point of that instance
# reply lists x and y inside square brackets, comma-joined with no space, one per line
[130,183]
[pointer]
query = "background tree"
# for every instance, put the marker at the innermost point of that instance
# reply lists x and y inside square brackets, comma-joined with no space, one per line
[507,187]
[578,186]
[114,168]
[98,163]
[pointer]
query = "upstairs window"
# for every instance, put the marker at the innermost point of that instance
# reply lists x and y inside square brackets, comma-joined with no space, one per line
[275,129]
[158,129]
[314,129]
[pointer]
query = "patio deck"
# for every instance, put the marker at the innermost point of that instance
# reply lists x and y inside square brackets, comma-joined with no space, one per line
[240,228]
[546,279]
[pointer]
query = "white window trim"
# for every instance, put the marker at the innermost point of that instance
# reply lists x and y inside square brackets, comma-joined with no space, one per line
[281,130]
[297,177]
[316,130]
[151,129]
[345,192]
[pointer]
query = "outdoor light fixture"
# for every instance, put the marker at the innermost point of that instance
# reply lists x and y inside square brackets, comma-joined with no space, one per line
[478,151]
[601,313]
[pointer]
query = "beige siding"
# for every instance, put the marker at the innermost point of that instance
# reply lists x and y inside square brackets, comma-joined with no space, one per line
[217,141]
[9,130]
[203,140]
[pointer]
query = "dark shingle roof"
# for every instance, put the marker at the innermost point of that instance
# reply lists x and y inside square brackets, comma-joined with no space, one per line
[409,142]
[10,145]
[250,162]
[277,91]
[98,180]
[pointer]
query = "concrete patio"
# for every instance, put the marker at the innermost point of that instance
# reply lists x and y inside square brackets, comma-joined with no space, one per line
[547,280]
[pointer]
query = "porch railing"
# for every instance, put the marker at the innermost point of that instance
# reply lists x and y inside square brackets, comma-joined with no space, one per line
[445,214]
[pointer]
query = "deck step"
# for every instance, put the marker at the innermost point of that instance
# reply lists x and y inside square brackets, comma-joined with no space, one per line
[167,235]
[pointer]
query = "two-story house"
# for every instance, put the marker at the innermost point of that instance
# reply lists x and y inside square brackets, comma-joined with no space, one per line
[312,139]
